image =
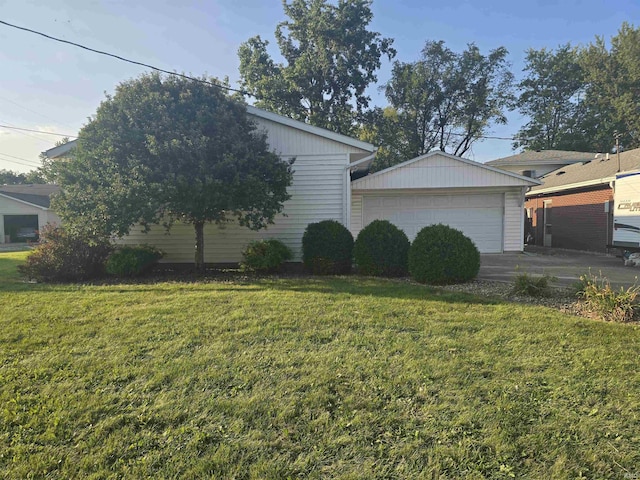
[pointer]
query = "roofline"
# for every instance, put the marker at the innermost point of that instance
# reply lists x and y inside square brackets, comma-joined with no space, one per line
[367,160]
[571,186]
[530,180]
[258,112]
[60,149]
[538,162]
[321,132]
[3,194]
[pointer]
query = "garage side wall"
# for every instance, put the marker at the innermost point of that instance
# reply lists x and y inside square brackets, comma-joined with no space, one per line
[514,220]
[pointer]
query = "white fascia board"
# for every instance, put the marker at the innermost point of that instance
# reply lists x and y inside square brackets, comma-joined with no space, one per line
[321,132]
[366,160]
[571,186]
[23,201]
[60,149]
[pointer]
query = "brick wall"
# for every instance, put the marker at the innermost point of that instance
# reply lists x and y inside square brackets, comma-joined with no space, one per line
[579,220]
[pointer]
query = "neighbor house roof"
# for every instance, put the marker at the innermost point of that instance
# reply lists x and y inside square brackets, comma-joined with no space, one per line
[543,157]
[589,173]
[34,194]
[258,112]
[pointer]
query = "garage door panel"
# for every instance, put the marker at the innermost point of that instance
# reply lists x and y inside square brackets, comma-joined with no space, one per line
[479,217]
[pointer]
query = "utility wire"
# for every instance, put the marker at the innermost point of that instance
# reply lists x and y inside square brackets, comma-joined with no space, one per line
[200,80]
[17,158]
[37,131]
[16,162]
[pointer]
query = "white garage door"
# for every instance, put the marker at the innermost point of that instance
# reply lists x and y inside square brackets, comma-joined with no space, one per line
[478,216]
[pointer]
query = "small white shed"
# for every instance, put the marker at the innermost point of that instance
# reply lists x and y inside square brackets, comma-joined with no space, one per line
[485,203]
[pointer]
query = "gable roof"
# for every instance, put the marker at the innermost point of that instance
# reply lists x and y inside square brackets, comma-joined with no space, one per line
[594,172]
[439,163]
[543,157]
[258,112]
[33,194]
[305,127]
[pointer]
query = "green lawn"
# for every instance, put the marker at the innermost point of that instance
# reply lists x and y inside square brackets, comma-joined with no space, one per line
[317,378]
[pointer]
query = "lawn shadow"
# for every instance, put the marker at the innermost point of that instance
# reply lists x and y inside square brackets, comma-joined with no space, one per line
[229,281]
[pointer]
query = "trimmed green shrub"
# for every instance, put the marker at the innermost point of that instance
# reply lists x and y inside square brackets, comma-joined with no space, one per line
[265,256]
[443,255]
[327,248]
[612,305]
[64,256]
[132,261]
[381,249]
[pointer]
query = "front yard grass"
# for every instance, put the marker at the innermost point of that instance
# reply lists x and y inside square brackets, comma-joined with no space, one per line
[308,378]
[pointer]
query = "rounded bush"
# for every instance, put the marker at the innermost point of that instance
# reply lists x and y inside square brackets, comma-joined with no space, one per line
[264,256]
[327,248]
[381,249]
[65,256]
[441,255]
[132,261]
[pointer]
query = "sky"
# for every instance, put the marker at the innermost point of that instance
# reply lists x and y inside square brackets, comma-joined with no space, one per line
[52,87]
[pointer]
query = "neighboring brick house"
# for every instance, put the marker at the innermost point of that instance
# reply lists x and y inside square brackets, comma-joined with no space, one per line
[573,207]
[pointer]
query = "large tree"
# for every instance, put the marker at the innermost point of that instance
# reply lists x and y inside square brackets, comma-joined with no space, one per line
[613,87]
[330,58]
[166,149]
[552,97]
[446,100]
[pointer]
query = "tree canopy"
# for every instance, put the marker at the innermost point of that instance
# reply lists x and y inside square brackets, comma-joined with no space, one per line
[9,177]
[445,100]
[166,149]
[551,96]
[330,58]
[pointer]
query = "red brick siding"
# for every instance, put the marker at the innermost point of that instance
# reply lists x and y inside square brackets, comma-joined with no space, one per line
[579,220]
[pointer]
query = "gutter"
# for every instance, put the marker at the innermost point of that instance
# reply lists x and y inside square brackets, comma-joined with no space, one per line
[571,186]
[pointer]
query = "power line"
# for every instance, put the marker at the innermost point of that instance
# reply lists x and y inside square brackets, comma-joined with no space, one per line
[14,161]
[29,110]
[37,131]
[199,80]
[157,69]
[17,158]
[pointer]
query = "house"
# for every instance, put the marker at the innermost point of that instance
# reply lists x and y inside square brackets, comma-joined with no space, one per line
[24,210]
[330,182]
[572,208]
[537,163]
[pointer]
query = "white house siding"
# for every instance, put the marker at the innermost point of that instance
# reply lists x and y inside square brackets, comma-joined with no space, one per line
[15,207]
[514,220]
[287,141]
[317,193]
[437,171]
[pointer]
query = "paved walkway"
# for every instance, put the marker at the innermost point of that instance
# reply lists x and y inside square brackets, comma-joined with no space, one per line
[565,265]
[14,247]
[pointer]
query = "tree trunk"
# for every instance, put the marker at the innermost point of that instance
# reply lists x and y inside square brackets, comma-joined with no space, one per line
[199,259]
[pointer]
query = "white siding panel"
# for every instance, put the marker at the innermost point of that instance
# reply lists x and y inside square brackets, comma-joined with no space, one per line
[514,221]
[317,193]
[479,216]
[436,171]
[287,141]
[356,214]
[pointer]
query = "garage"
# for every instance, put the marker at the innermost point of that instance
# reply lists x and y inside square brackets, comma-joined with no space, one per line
[24,210]
[485,203]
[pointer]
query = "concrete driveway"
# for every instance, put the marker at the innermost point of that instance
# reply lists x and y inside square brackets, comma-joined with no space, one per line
[565,265]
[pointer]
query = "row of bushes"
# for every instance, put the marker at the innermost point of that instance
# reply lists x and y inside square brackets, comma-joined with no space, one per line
[439,254]
[63,256]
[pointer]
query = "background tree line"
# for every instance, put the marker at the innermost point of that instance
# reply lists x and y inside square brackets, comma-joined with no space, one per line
[574,98]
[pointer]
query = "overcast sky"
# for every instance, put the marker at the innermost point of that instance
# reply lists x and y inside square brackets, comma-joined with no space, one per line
[45,85]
